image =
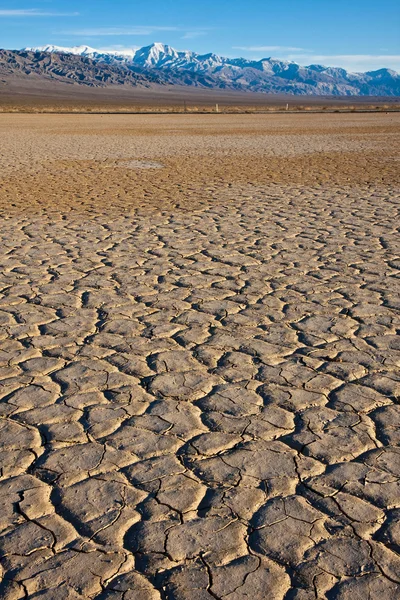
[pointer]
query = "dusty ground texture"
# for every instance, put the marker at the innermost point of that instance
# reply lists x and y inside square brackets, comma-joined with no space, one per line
[199,357]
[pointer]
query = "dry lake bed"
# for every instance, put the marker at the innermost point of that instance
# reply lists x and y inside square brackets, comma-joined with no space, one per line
[199,357]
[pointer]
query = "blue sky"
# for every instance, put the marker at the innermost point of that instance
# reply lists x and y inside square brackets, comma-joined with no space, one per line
[358,35]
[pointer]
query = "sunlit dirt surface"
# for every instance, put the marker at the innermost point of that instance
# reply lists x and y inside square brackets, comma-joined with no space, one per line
[199,357]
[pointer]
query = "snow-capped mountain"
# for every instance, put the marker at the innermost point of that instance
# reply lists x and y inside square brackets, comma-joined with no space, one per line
[89,52]
[267,75]
[157,56]
[78,50]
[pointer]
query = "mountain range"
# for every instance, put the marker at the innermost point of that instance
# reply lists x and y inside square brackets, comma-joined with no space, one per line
[162,64]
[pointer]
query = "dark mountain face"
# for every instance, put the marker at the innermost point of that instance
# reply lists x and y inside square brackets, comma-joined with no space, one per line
[71,69]
[159,64]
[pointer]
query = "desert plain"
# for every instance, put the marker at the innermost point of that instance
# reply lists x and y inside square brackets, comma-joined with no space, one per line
[200,357]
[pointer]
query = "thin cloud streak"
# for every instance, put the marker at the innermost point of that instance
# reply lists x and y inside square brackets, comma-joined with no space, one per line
[191,35]
[34,12]
[351,62]
[113,31]
[134,30]
[354,63]
[270,49]
[119,48]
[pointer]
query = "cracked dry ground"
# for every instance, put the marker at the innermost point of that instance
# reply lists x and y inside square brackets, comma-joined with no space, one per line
[199,363]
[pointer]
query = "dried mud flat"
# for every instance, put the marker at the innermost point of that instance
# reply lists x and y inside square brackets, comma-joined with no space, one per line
[199,357]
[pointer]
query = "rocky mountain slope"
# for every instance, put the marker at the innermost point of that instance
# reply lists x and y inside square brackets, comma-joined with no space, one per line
[69,68]
[162,64]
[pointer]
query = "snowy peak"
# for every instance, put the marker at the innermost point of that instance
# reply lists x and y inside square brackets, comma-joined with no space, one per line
[155,55]
[87,51]
[79,50]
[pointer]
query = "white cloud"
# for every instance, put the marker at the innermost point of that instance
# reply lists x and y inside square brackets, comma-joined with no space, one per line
[33,12]
[350,62]
[270,49]
[191,35]
[356,63]
[110,31]
[188,34]
[118,48]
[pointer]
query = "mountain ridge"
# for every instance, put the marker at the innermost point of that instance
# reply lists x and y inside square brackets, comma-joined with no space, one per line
[158,48]
[268,75]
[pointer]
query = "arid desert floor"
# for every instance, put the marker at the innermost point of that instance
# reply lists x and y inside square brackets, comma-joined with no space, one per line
[199,357]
